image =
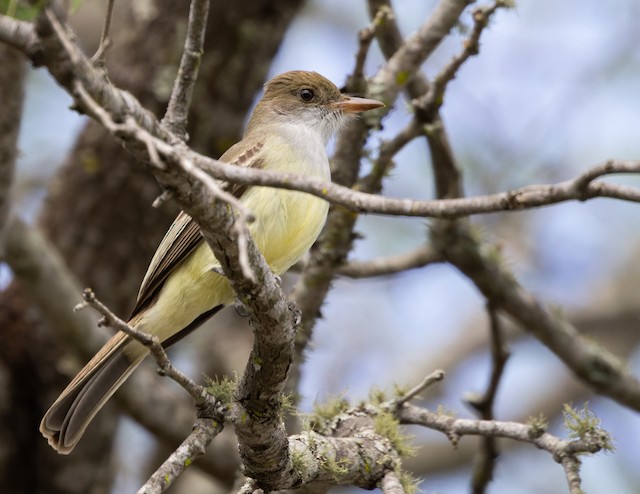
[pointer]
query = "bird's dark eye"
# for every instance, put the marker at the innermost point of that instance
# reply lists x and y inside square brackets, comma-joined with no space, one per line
[306,94]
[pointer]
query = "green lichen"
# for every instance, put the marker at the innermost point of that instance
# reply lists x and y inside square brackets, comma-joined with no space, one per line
[334,468]
[402,77]
[400,390]
[584,424]
[386,425]
[299,461]
[409,482]
[537,425]
[287,406]
[223,389]
[324,413]
[445,412]
[377,396]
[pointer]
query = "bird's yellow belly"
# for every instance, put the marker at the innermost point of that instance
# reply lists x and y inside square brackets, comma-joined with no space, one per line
[287,224]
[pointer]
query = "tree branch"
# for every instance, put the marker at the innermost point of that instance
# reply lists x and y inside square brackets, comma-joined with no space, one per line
[198,393]
[592,363]
[454,428]
[391,484]
[582,188]
[433,99]
[20,35]
[383,266]
[193,447]
[39,267]
[99,56]
[408,57]
[175,118]
[484,464]
[12,88]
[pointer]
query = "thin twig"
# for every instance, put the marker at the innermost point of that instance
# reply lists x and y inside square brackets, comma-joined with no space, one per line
[436,376]
[528,197]
[383,266]
[454,428]
[197,392]
[409,56]
[98,58]
[434,98]
[175,118]
[165,196]
[484,464]
[366,36]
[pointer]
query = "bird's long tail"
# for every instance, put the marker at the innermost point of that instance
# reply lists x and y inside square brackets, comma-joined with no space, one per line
[65,422]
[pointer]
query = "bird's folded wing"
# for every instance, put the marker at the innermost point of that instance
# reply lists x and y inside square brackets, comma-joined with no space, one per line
[182,237]
[184,234]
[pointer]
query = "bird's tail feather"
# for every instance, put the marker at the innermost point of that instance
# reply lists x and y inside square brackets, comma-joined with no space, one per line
[66,420]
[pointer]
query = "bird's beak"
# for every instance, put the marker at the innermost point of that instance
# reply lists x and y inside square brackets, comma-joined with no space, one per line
[351,104]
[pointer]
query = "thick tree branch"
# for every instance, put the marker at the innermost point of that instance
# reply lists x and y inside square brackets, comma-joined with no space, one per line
[20,35]
[38,267]
[348,449]
[12,88]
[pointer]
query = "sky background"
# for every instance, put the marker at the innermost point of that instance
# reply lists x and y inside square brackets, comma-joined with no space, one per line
[553,92]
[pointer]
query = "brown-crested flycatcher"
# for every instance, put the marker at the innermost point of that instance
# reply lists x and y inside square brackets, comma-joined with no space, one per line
[287,132]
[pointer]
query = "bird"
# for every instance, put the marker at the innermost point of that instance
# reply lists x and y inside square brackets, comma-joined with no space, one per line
[288,131]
